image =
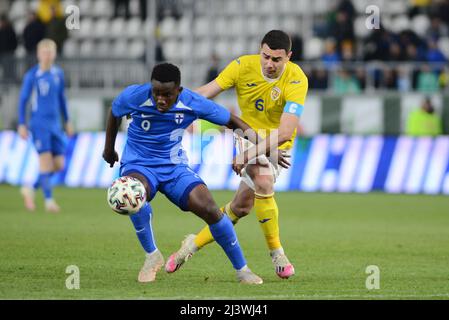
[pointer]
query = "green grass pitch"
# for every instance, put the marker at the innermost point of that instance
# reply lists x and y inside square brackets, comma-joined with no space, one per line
[330,238]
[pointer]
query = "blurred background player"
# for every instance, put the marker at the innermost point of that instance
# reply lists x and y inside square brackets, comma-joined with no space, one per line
[271,92]
[424,121]
[45,82]
[151,155]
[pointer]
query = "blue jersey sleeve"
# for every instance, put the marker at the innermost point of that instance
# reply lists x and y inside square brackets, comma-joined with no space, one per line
[62,98]
[25,93]
[121,104]
[213,112]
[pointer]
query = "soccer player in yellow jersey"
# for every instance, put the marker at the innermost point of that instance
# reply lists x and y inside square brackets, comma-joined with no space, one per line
[271,93]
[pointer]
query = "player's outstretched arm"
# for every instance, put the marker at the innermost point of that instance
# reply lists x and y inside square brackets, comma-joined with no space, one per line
[210,90]
[242,129]
[271,143]
[112,126]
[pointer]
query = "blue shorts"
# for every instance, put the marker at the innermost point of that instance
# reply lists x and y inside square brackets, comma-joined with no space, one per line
[175,181]
[49,140]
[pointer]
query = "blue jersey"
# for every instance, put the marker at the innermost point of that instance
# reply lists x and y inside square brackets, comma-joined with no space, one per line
[48,102]
[154,138]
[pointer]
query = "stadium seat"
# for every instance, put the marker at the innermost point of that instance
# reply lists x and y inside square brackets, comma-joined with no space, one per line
[101,28]
[201,26]
[120,48]
[400,23]
[19,25]
[103,49]
[20,52]
[253,26]
[318,6]
[313,48]
[133,28]
[266,7]
[19,8]
[252,6]
[203,49]
[201,7]
[283,6]
[136,49]
[86,27]
[420,24]
[238,47]
[186,49]
[233,7]
[168,27]
[86,8]
[102,8]
[171,49]
[268,24]
[360,29]
[394,7]
[223,49]
[117,27]
[71,48]
[443,45]
[290,24]
[235,26]
[87,49]
[222,26]
[184,26]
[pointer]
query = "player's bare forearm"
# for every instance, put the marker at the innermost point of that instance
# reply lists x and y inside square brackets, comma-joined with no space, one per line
[112,127]
[210,90]
[242,129]
[270,145]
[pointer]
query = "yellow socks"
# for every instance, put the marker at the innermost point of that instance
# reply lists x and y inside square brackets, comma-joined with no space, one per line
[204,236]
[267,213]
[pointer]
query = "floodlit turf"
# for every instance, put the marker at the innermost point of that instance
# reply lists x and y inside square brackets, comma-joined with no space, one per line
[330,238]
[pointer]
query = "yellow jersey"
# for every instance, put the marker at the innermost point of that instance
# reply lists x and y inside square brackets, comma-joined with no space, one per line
[261,100]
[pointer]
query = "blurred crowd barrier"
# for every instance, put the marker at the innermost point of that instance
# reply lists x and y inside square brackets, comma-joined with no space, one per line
[325,162]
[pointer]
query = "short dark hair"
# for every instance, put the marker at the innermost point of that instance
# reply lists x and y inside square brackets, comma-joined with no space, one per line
[166,72]
[277,39]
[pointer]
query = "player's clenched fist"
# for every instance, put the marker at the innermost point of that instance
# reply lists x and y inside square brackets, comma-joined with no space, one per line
[110,156]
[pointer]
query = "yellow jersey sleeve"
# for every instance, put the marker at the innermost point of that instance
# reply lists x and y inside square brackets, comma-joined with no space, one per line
[296,91]
[230,75]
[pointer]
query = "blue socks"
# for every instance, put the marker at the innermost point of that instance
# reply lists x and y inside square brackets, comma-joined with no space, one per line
[142,223]
[44,182]
[224,234]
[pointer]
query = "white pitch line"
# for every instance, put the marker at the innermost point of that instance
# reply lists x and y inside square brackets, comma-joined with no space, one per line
[306,296]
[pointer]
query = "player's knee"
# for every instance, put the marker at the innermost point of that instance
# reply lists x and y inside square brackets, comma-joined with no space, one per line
[210,212]
[58,165]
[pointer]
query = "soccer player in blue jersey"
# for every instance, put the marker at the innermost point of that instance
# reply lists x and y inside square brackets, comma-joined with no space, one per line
[160,112]
[45,82]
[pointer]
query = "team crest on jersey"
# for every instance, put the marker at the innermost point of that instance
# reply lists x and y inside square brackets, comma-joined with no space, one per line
[275,93]
[179,118]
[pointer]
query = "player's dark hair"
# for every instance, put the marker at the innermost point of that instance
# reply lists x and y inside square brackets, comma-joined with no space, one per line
[277,39]
[166,72]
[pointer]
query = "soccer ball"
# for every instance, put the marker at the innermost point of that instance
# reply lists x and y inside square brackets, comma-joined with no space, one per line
[126,195]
